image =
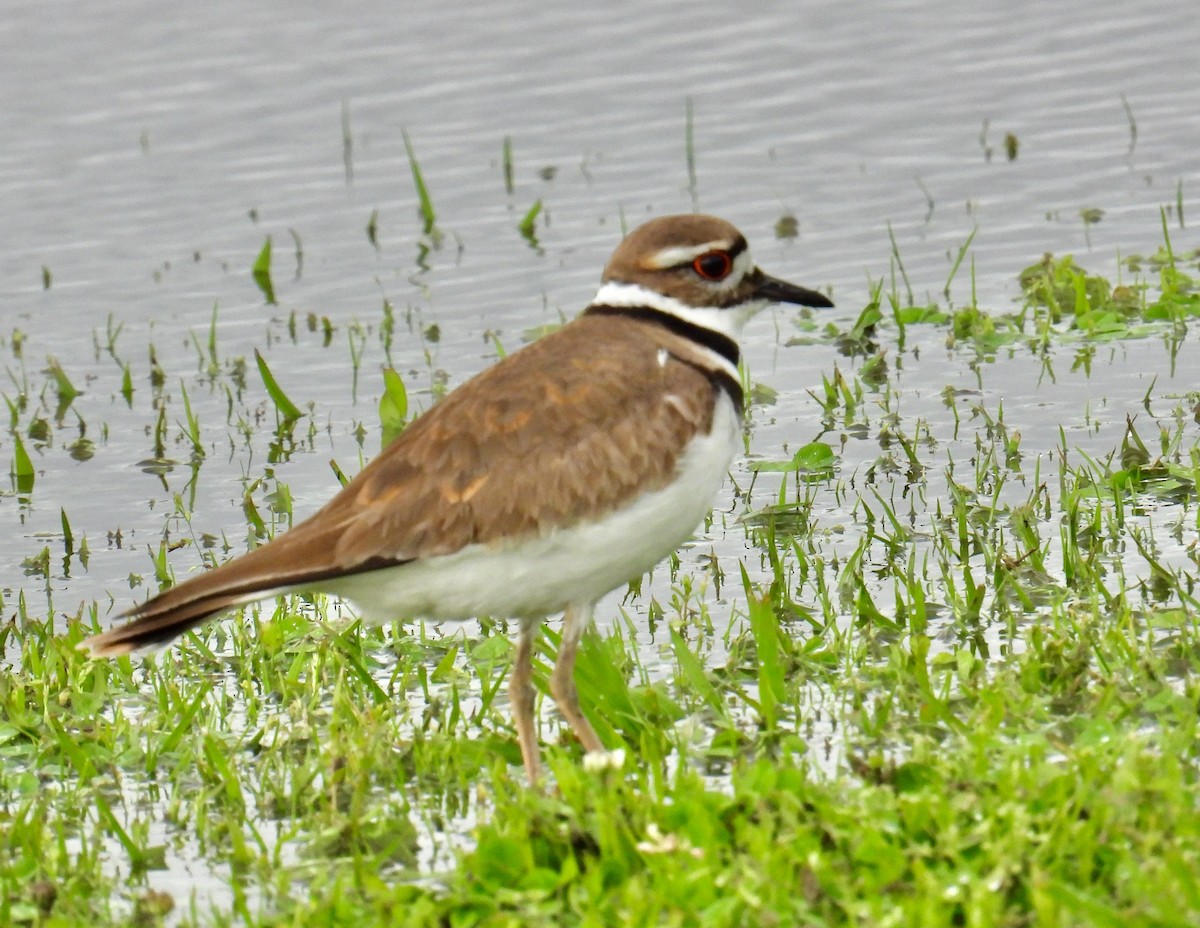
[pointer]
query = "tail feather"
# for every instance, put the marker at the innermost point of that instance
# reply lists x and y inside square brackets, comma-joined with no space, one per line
[153,627]
[158,621]
[257,574]
[301,559]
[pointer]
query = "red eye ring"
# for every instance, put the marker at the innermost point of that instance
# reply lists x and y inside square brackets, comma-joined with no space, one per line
[713,265]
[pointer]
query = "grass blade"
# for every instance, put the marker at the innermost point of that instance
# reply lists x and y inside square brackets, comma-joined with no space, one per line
[262,272]
[393,406]
[22,467]
[507,161]
[428,216]
[528,224]
[287,409]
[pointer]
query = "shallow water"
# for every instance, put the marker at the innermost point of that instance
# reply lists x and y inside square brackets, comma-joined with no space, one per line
[146,158]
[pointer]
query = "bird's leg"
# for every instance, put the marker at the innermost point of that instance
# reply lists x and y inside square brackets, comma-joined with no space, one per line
[521,695]
[562,681]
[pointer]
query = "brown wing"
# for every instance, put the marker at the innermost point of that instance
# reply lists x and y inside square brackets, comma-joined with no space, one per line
[572,426]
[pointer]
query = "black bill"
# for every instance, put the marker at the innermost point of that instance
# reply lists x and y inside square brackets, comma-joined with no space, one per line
[780,291]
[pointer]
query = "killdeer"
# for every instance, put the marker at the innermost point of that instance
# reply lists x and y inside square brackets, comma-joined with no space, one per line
[561,473]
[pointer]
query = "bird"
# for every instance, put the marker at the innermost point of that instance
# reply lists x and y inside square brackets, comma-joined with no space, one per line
[561,473]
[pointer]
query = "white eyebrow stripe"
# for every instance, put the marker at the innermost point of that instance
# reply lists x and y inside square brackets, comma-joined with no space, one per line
[677,255]
[743,264]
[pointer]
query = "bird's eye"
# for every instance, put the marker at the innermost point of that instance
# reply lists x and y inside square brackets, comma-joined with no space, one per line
[713,265]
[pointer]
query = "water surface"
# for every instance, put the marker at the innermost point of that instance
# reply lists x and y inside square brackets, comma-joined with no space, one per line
[149,152]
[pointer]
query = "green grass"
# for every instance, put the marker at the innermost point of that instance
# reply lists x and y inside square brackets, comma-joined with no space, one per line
[949,680]
[1051,786]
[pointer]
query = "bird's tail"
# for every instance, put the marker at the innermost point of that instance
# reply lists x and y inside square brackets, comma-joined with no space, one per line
[259,574]
[164,618]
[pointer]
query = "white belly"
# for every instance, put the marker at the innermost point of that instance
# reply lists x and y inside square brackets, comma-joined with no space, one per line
[541,576]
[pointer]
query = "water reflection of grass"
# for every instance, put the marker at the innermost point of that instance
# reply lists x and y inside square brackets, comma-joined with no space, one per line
[956,685]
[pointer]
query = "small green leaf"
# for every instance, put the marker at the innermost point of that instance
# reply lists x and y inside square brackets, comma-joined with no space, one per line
[393,406]
[262,272]
[373,229]
[127,386]
[931,314]
[428,216]
[1134,453]
[528,224]
[63,387]
[694,675]
[764,626]
[250,510]
[192,426]
[814,458]
[287,409]
[22,467]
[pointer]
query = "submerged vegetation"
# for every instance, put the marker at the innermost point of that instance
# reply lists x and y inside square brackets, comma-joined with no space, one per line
[934,662]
